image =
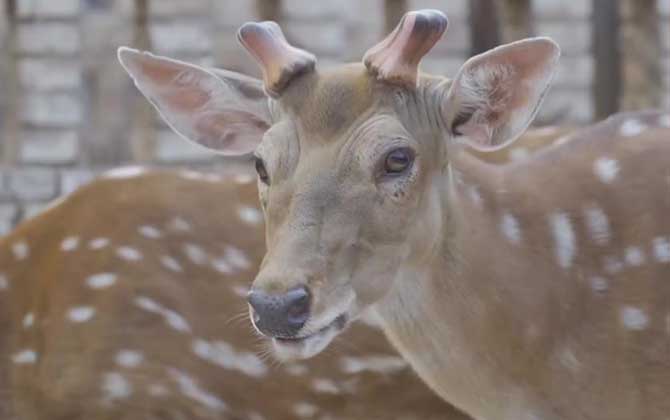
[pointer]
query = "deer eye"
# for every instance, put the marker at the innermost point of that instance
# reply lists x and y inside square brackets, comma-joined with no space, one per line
[398,161]
[261,171]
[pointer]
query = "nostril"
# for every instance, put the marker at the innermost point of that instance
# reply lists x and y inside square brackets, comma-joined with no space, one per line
[298,302]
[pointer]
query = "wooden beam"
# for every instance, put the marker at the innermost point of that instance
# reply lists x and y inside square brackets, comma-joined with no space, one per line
[641,51]
[607,57]
[484,25]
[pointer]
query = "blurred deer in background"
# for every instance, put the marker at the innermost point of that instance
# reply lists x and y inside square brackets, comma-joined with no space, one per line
[536,289]
[126,300]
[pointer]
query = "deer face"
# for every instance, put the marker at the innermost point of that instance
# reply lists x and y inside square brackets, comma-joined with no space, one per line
[352,161]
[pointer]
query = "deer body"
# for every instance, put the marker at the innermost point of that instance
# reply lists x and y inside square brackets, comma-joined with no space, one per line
[572,288]
[123,301]
[532,289]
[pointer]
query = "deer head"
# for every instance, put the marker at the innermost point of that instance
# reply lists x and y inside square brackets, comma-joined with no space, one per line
[353,161]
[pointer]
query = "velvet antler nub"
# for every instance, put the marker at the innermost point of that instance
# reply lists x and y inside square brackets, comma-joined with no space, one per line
[396,58]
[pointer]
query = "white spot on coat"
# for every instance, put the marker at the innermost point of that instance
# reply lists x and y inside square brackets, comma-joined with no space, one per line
[150,232]
[21,250]
[4,282]
[296,369]
[28,320]
[598,225]
[325,386]
[634,256]
[81,313]
[509,226]
[189,388]
[634,318]
[606,169]
[223,354]
[128,253]
[195,253]
[98,243]
[631,127]
[25,357]
[171,263]
[222,266]
[664,121]
[598,284]
[158,390]
[115,387]
[101,280]
[304,410]
[661,247]
[564,239]
[612,265]
[250,215]
[171,318]
[129,358]
[377,364]
[69,244]
[236,257]
[181,225]
[125,172]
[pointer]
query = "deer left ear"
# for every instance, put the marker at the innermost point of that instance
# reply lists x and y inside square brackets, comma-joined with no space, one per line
[496,94]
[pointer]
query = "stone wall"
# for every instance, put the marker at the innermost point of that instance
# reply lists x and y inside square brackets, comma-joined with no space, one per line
[67,110]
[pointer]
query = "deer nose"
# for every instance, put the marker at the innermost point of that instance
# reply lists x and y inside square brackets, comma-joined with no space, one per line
[280,316]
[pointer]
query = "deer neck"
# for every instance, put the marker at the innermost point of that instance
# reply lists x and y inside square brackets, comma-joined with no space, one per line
[445,314]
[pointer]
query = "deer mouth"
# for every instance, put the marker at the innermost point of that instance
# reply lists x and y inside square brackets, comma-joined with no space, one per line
[306,346]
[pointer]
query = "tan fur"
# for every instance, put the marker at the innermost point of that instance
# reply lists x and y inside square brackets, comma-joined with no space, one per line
[66,381]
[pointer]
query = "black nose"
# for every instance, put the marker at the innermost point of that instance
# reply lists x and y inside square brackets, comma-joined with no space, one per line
[280,316]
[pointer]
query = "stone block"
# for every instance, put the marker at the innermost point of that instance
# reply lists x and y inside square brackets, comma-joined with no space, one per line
[49,146]
[171,148]
[172,38]
[234,14]
[574,37]
[47,8]
[33,184]
[49,74]
[663,7]
[180,8]
[31,210]
[310,10]
[576,71]
[51,109]
[453,8]
[447,67]
[566,106]
[8,216]
[562,10]
[48,38]
[71,179]
[318,37]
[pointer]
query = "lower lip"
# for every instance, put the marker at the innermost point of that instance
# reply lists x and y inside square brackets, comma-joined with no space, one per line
[338,323]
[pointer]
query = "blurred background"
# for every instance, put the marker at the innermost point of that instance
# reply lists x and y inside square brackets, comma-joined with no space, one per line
[68,111]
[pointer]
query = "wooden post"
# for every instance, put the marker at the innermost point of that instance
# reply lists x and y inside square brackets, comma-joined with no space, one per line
[607,57]
[641,55]
[10,91]
[393,12]
[484,25]
[517,20]
[143,132]
[268,10]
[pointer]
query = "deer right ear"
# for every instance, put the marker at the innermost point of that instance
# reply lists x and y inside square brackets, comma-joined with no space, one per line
[220,110]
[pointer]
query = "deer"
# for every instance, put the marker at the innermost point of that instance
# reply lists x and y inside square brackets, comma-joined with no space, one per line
[535,288]
[126,300]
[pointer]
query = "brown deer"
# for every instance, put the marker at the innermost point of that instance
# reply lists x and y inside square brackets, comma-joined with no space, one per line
[536,289]
[124,302]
